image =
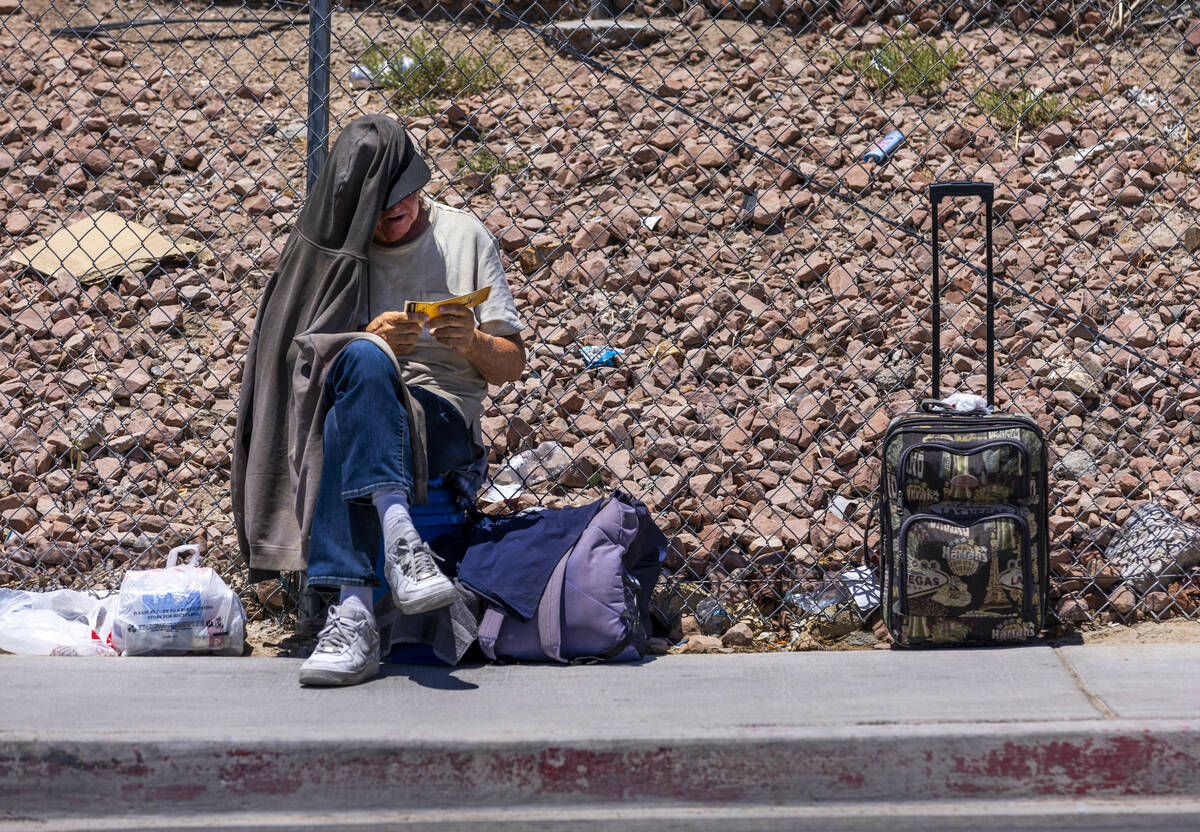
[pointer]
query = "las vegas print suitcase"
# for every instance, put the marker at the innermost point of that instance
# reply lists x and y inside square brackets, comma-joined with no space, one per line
[963,507]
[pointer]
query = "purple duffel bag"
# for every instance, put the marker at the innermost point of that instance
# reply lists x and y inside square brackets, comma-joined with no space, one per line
[596,604]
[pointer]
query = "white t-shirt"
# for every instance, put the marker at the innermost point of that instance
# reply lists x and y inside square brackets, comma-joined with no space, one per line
[453,256]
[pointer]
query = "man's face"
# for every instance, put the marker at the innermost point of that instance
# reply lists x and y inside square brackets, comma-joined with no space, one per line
[396,221]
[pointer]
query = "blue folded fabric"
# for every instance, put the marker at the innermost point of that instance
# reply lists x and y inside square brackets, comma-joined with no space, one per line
[509,558]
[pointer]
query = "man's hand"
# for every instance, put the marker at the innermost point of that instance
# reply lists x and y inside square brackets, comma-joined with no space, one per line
[398,329]
[455,328]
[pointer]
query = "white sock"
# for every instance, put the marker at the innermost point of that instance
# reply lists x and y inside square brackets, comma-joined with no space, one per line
[394,518]
[362,593]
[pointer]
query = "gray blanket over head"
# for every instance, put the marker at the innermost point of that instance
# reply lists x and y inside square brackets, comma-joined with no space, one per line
[314,304]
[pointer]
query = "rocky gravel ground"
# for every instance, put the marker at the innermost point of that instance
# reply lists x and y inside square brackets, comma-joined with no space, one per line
[701,209]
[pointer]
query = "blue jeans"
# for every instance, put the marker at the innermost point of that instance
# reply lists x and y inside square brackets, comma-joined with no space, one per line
[367,449]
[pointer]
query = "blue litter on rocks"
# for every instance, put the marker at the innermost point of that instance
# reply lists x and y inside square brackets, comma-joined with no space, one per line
[599,356]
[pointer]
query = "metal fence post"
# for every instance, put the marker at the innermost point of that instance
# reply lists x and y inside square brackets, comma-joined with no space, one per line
[317,133]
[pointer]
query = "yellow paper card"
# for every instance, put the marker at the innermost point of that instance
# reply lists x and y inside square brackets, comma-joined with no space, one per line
[433,308]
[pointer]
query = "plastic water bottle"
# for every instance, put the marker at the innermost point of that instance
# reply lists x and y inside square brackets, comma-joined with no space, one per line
[713,620]
[545,462]
[827,595]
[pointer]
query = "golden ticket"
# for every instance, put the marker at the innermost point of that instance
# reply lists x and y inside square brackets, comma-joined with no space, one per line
[433,308]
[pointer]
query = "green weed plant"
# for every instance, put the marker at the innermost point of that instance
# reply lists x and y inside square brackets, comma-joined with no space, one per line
[1021,105]
[912,63]
[423,74]
[483,160]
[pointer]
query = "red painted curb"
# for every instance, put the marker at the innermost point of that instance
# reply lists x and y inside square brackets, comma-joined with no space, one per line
[868,763]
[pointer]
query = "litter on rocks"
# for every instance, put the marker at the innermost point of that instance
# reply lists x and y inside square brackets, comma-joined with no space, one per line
[599,356]
[884,147]
[1153,547]
[829,594]
[712,618]
[842,507]
[527,468]
[100,247]
[862,586]
[857,584]
[363,77]
[662,349]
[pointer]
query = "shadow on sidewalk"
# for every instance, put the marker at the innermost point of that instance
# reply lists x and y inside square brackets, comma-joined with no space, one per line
[437,676]
[434,676]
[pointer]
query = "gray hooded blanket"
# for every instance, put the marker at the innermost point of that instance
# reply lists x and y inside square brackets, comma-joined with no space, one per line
[314,304]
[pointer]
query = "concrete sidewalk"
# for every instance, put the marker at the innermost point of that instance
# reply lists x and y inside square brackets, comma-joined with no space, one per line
[1018,738]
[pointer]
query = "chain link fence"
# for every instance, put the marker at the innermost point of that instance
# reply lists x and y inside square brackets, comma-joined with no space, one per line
[725,303]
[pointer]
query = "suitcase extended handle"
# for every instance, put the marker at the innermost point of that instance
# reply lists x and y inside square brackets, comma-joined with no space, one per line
[986,191]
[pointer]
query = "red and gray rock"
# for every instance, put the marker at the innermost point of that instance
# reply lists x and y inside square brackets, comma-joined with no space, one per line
[956,137]
[700,644]
[1192,36]
[739,635]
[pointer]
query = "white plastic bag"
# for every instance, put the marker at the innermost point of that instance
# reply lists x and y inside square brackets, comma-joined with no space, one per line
[527,468]
[179,609]
[59,623]
[968,403]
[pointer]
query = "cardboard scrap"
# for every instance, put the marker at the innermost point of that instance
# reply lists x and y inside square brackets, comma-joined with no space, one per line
[101,247]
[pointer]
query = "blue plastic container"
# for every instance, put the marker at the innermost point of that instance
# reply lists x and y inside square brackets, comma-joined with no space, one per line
[442,524]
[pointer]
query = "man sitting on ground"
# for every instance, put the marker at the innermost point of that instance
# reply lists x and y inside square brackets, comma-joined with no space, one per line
[338,378]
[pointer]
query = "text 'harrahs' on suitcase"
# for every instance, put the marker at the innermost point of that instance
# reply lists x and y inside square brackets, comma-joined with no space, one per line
[964,543]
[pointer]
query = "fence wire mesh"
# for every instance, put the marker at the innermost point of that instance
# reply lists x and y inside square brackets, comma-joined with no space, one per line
[725,303]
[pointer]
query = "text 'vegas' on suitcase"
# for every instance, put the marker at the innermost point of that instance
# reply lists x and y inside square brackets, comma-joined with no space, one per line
[963,510]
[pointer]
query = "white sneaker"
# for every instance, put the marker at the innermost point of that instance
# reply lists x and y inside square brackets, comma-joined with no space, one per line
[417,583]
[347,650]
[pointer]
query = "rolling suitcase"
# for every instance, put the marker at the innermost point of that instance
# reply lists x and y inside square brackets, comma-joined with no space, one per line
[963,506]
